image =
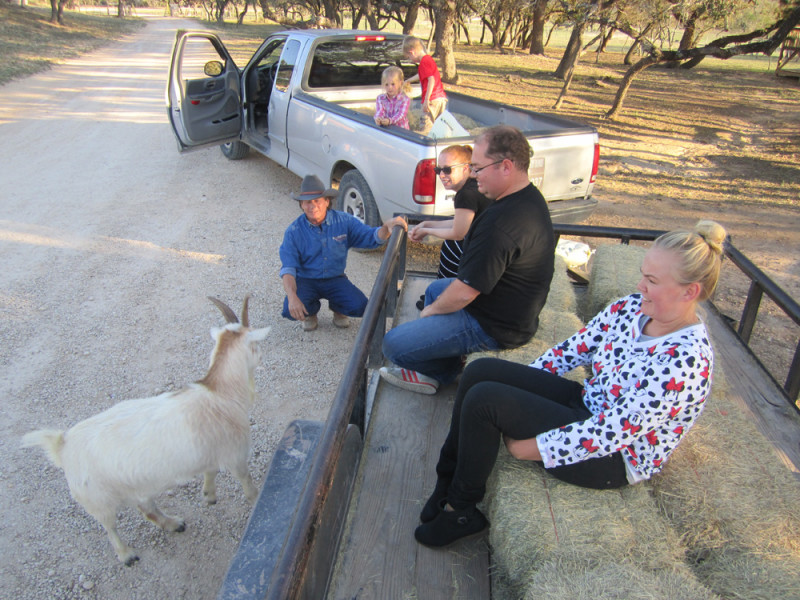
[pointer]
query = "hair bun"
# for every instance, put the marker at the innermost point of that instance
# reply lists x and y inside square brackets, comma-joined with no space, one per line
[713,233]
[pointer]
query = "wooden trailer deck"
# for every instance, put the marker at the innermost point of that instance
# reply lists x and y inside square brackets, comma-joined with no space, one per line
[379,557]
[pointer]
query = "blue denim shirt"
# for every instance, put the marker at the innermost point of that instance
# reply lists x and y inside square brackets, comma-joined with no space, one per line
[320,252]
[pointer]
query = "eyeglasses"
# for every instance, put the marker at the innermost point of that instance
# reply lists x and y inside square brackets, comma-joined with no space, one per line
[448,170]
[477,170]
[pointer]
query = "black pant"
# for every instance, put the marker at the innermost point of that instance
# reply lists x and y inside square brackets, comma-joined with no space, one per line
[496,397]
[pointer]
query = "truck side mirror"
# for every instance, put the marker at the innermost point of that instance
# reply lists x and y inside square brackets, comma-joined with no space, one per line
[213,68]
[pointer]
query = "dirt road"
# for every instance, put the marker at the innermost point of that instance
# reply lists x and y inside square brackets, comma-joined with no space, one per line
[110,242]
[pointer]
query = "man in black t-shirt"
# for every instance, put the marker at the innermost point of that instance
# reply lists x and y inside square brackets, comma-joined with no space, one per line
[503,278]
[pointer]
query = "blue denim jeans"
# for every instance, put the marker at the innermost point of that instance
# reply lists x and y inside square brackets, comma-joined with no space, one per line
[343,297]
[434,345]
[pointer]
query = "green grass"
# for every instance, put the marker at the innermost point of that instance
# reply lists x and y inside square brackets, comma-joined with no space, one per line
[29,43]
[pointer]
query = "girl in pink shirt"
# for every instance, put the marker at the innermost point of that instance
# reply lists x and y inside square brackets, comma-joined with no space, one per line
[391,108]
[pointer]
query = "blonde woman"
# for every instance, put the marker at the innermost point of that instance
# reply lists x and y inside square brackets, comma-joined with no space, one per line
[651,363]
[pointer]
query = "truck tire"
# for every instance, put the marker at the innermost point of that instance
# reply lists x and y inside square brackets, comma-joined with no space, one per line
[235,150]
[356,198]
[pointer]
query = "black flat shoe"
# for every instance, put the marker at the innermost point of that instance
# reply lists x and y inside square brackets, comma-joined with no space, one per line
[435,502]
[451,526]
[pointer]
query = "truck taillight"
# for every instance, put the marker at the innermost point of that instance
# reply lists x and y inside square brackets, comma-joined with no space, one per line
[595,163]
[424,188]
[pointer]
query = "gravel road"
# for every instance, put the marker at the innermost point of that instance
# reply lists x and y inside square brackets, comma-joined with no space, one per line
[110,241]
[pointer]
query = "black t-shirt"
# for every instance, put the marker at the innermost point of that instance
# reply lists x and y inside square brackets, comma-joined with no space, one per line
[508,257]
[470,198]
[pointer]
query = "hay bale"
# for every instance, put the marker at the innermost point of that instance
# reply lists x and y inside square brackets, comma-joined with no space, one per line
[538,520]
[734,503]
[561,297]
[614,273]
[554,328]
[576,579]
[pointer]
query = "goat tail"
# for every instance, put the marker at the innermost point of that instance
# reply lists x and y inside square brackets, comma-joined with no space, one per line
[49,440]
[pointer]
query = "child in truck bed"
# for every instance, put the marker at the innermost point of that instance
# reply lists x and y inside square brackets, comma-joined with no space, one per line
[434,98]
[391,107]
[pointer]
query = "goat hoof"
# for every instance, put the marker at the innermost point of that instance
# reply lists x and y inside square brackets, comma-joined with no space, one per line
[131,560]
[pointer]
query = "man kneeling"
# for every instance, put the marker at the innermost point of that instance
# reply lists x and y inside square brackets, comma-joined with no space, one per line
[314,255]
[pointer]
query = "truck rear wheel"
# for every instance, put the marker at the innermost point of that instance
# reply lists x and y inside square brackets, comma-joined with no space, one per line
[356,198]
[235,150]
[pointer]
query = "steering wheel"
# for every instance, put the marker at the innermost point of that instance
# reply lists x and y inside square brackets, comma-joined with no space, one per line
[273,73]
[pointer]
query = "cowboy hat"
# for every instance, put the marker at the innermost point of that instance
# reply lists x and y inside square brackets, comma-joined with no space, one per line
[312,188]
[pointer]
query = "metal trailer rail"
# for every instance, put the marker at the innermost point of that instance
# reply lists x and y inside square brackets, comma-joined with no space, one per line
[291,577]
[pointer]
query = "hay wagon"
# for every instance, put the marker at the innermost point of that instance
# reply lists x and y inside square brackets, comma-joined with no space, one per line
[338,507]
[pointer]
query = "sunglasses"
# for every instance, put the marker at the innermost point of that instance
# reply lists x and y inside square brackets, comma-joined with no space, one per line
[447,170]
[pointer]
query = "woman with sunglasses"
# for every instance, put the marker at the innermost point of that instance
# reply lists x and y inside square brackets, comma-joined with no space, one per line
[454,173]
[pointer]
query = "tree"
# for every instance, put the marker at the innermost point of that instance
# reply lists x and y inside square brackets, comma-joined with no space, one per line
[57,11]
[445,21]
[537,26]
[724,48]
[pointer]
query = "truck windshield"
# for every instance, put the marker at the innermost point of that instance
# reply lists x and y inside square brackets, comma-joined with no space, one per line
[346,63]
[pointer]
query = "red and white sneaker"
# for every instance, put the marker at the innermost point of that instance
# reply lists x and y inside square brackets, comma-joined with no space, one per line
[409,380]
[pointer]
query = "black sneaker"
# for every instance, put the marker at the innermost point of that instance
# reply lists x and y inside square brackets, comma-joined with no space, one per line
[451,526]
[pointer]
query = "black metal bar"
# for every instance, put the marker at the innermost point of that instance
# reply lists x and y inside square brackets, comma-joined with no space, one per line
[607,232]
[290,571]
[376,342]
[792,385]
[771,289]
[750,311]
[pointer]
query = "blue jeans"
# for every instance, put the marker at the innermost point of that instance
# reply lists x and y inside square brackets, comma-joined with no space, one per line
[434,345]
[343,297]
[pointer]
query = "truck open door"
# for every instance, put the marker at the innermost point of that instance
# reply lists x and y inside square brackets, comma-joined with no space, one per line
[203,92]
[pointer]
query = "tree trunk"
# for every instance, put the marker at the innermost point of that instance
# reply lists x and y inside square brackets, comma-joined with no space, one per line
[565,88]
[332,13]
[570,58]
[537,28]
[636,42]
[120,9]
[445,22]
[221,5]
[266,10]
[625,84]
[240,16]
[465,30]
[411,17]
[606,39]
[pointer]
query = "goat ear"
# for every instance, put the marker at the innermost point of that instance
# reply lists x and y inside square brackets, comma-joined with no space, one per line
[257,335]
[216,332]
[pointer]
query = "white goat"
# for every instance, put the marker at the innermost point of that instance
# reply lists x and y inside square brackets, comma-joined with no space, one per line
[137,449]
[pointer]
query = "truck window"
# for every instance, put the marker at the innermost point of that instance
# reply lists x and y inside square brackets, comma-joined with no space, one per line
[288,61]
[347,63]
[196,53]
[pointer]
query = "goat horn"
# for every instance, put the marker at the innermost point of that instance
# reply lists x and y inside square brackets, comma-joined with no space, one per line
[229,315]
[245,316]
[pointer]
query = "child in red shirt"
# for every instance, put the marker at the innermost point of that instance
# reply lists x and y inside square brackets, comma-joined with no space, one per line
[434,99]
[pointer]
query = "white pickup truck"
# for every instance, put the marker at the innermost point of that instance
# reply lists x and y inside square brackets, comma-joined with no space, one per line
[306,98]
